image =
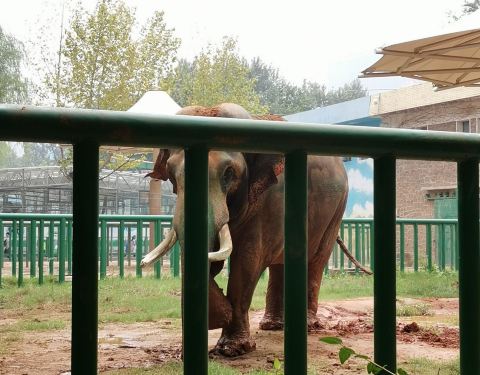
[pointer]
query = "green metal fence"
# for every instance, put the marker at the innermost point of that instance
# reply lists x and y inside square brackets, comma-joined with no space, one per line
[424,244]
[87,130]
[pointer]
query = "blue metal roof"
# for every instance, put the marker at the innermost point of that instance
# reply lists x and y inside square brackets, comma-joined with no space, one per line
[352,112]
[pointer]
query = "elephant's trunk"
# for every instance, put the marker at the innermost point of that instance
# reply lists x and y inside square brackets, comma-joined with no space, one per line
[161,249]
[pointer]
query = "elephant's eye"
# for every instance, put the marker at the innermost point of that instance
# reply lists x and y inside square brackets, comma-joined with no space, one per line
[228,176]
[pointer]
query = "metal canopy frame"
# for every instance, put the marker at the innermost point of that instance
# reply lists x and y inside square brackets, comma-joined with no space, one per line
[449,60]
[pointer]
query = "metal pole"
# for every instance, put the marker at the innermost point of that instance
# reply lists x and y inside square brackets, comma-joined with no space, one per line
[13,247]
[469,267]
[21,225]
[385,264]
[139,248]
[402,247]
[33,248]
[51,249]
[158,238]
[415,247]
[41,250]
[195,324]
[121,249]
[103,249]
[85,259]
[295,282]
[61,251]
[429,247]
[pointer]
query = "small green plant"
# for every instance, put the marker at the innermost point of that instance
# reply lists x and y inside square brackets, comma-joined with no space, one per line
[345,353]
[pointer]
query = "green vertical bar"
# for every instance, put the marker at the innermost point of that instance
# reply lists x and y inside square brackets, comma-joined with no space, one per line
[372,246]
[342,255]
[158,238]
[295,282]
[367,240]
[350,242]
[61,250]
[357,245]
[21,225]
[442,247]
[121,249]
[385,264]
[402,247]
[428,239]
[176,260]
[41,250]
[469,267]
[13,247]
[103,249]
[107,245]
[69,246]
[28,250]
[51,249]
[1,251]
[85,259]
[457,252]
[139,248]
[415,247]
[362,243]
[195,332]
[33,248]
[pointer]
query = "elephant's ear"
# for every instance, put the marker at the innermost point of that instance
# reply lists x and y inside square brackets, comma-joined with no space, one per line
[160,168]
[263,170]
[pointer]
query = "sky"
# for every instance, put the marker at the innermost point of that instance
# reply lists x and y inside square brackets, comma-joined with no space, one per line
[327,41]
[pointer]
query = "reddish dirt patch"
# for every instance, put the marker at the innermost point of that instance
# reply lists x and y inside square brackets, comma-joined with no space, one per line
[153,343]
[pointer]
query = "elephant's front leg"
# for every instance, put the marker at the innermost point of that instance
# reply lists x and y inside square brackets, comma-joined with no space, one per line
[243,278]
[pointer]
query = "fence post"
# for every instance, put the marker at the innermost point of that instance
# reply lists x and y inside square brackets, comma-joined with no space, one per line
[21,225]
[103,249]
[85,259]
[428,237]
[69,246]
[415,247]
[357,246]
[139,248]
[61,251]
[295,281]
[385,352]
[13,247]
[158,238]
[342,256]
[51,249]
[469,267]
[402,247]
[33,248]
[41,250]
[121,249]
[195,318]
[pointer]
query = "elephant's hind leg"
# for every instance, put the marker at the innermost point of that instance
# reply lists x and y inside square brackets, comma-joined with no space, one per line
[273,318]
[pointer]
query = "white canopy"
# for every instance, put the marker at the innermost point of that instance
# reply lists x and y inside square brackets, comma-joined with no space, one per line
[447,60]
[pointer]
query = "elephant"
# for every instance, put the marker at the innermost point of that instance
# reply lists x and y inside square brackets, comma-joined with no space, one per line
[246,200]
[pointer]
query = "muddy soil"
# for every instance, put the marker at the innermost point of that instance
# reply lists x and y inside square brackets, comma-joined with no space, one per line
[152,343]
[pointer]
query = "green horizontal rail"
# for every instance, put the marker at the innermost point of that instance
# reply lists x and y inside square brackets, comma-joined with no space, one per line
[32,124]
[87,130]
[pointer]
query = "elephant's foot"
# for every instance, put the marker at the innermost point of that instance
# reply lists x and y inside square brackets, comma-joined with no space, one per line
[314,324]
[233,347]
[271,323]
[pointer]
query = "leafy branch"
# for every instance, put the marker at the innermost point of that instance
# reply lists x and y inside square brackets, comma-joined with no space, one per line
[345,353]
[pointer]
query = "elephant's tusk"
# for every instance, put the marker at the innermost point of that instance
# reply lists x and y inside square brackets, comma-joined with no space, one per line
[161,249]
[225,246]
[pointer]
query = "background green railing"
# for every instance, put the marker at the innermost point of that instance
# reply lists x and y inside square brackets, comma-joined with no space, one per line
[46,245]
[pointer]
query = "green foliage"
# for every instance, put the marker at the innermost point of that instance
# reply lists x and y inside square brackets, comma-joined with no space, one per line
[8,159]
[345,353]
[217,75]
[283,97]
[103,66]
[13,87]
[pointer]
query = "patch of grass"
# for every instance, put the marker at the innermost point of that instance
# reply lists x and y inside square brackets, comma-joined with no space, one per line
[409,284]
[7,340]
[175,368]
[413,309]
[425,366]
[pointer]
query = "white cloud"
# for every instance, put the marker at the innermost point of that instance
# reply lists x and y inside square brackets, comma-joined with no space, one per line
[368,161]
[358,182]
[362,211]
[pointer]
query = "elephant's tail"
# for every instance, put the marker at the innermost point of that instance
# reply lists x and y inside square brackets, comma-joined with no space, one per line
[351,257]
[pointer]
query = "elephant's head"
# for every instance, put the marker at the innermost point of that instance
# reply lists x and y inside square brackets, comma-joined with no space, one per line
[236,183]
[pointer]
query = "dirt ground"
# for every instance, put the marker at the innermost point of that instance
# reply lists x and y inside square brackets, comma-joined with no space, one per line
[147,344]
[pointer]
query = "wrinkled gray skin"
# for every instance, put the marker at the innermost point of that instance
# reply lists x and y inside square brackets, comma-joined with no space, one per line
[246,191]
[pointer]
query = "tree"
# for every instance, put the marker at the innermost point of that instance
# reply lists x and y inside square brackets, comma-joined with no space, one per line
[216,75]
[348,91]
[13,87]
[467,8]
[103,66]
[8,158]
